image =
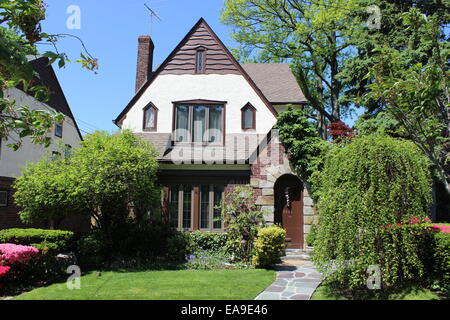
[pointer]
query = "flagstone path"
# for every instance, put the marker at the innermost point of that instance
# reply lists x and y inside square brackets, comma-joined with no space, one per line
[296,280]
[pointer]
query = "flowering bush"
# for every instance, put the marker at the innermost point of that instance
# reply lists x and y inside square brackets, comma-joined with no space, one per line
[445,229]
[4,271]
[13,253]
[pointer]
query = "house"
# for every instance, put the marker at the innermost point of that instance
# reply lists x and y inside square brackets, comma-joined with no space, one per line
[12,162]
[211,119]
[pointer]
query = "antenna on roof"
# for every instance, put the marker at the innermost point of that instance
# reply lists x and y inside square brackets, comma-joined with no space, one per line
[152,14]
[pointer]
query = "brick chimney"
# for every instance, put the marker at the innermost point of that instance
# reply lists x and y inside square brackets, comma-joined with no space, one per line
[144,60]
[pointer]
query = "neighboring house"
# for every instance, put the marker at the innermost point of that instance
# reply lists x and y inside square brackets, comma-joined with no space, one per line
[12,162]
[211,119]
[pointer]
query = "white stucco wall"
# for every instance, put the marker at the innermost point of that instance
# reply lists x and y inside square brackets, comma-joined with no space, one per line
[231,88]
[12,162]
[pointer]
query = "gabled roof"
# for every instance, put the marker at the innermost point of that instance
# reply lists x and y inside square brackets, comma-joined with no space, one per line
[222,49]
[46,77]
[276,82]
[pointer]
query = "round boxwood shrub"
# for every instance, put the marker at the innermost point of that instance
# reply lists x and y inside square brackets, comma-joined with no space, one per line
[373,182]
[269,246]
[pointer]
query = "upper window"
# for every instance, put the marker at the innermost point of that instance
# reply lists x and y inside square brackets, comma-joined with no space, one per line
[199,123]
[248,117]
[150,117]
[200,61]
[3,198]
[59,130]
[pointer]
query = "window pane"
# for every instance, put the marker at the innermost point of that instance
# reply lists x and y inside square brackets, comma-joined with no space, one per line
[200,61]
[150,118]
[58,129]
[215,124]
[204,207]
[217,221]
[3,198]
[173,207]
[248,118]
[187,207]
[199,124]
[182,124]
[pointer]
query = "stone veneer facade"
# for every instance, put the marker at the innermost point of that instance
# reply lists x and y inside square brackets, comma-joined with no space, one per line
[271,164]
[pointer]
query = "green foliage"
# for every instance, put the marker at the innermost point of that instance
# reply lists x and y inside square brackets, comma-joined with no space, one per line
[269,246]
[382,123]
[312,235]
[103,179]
[178,246]
[441,261]
[305,148]
[312,36]
[58,240]
[242,219]
[210,241]
[372,182]
[20,31]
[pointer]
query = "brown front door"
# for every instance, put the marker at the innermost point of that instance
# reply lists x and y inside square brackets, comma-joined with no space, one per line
[289,209]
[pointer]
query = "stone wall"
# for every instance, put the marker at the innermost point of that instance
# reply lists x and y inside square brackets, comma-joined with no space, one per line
[272,163]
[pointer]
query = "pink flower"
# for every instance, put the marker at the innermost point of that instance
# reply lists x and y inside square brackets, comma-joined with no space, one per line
[4,271]
[13,253]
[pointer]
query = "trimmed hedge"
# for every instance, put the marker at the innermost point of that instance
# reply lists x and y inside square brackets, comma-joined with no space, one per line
[52,240]
[441,255]
[269,246]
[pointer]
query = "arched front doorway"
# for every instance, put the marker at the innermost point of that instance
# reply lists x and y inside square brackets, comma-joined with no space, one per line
[289,208]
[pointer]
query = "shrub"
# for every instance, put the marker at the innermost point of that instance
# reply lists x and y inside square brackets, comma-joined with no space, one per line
[4,270]
[311,237]
[372,182]
[178,246]
[269,246]
[11,254]
[242,219]
[56,241]
[208,240]
[441,255]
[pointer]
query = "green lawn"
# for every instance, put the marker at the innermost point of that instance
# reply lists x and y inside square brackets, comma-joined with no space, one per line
[327,292]
[161,285]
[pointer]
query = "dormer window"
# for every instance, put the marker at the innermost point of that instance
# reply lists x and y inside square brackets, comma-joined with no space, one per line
[248,114]
[150,117]
[200,61]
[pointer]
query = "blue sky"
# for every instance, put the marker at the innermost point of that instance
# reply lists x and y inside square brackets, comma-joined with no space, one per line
[110,29]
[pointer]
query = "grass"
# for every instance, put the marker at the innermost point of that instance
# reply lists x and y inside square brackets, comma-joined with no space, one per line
[161,285]
[328,292]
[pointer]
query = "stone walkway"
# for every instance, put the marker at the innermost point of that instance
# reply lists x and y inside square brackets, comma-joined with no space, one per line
[296,280]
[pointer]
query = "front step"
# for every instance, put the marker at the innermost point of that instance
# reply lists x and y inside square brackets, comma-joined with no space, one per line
[298,254]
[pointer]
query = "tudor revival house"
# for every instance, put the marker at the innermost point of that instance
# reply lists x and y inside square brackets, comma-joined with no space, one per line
[12,162]
[211,119]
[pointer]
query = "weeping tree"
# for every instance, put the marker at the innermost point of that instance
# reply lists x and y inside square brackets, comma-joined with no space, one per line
[369,191]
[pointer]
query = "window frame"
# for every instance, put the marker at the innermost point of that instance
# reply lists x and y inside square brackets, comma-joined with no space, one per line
[181,189]
[144,118]
[62,129]
[4,205]
[191,104]
[210,208]
[248,106]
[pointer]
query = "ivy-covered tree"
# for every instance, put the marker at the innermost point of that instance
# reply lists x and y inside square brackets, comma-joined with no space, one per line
[108,178]
[20,32]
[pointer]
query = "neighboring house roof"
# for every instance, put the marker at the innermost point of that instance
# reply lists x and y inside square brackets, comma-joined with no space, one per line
[276,82]
[201,34]
[47,77]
